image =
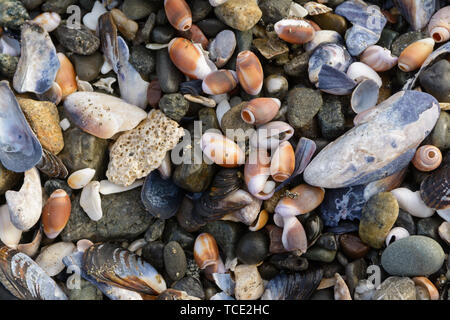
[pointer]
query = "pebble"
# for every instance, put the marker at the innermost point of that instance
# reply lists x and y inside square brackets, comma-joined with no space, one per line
[137,9]
[8,179]
[249,284]
[387,38]
[162,34]
[405,220]
[396,288]
[87,291]
[404,40]
[274,11]
[316,253]
[194,177]
[58,6]
[8,65]
[153,253]
[413,256]
[270,47]
[440,136]
[12,14]
[54,184]
[44,120]
[87,68]
[174,105]
[227,235]
[155,231]
[436,80]
[174,260]
[253,247]
[211,27]
[429,227]
[32,4]
[124,217]
[192,286]
[331,118]
[239,14]
[173,232]
[200,9]
[77,40]
[331,21]
[303,104]
[297,66]
[378,217]
[352,246]
[232,120]
[169,76]
[354,272]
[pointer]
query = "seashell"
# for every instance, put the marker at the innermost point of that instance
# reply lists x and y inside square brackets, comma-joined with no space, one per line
[278,219]
[31,249]
[271,135]
[221,150]
[435,189]
[9,46]
[66,76]
[300,200]
[79,179]
[282,164]
[216,3]
[109,41]
[439,25]
[90,19]
[334,81]
[52,166]
[204,101]
[38,63]
[341,291]
[165,169]
[102,115]
[220,81]
[222,296]
[378,58]
[127,27]
[90,200]
[190,59]
[249,284]
[416,12]
[179,14]
[9,234]
[206,251]
[222,108]
[196,35]
[427,158]
[224,282]
[359,71]
[137,244]
[294,236]
[414,55]
[48,20]
[444,214]
[105,84]
[50,259]
[25,205]
[260,110]
[296,10]
[56,213]
[172,294]
[296,31]
[365,96]
[260,222]
[296,286]
[395,234]
[222,47]
[425,283]
[111,264]
[444,231]
[385,184]
[83,244]
[193,87]
[153,46]
[331,54]
[412,203]
[25,279]
[257,173]
[20,150]
[323,37]
[248,214]
[326,283]
[249,72]
[315,8]
[54,94]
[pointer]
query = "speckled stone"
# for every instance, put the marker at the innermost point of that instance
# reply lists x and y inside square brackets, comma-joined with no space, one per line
[396,288]
[58,6]
[232,120]
[8,179]
[239,14]
[87,67]
[274,11]
[137,9]
[174,105]
[77,40]
[12,14]
[174,260]
[378,217]
[8,65]
[331,118]
[297,66]
[143,60]
[303,104]
[440,136]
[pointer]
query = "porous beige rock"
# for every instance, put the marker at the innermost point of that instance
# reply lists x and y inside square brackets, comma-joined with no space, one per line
[249,284]
[141,150]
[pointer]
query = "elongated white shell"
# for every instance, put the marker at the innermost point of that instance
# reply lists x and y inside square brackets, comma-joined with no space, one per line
[91,202]
[107,187]
[221,109]
[412,203]
[9,234]
[25,206]
[378,58]
[50,259]
[80,178]
[359,71]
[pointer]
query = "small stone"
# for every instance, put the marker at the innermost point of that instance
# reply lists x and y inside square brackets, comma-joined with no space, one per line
[44,120]
[208,118]
[87,67]
[249,284]
[331,117]
[155,231]
[32,4]
[405,220]
[440,136]
[353,247]
[153,253]
[77,40]
[87,4]
[303,104]
[436,80]
[232,120]
[429,227]
[211,27]
[413,256]
[270,47]
[444,232]
[274,11]
[378,217]
[124,218]
[162,34]
[396,288]
[169,76]
[174,105]
[174,260]
[191,286]
[253,247]
[58,6]
[405,40]
[8,65]
[287,261]
[54,184]
[297,66]
[87,291]
[364,290]
[276,86]
[200,9]
[193,177]
[354,272]
[12,14]
[143,61]
[154,93]
[8,179]
[331,21]
[137,9]
[239,14]
[316,253]
[387,38]
[227,235]
[173,232]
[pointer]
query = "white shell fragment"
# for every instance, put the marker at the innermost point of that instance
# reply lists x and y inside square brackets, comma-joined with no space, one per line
[107,187]
[395,234]
[412,203]
[64,124]
[359,71]
[80,178]
[25,206]
[137,244]
[9,46]
[341,291]
[249,284]
[9,234]
[90,200]
[50,259]
[90,19]
[297,10]
[105,84]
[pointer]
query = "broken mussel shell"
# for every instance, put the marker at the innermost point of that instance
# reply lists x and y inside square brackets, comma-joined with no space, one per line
[435,189]
[51,165]
[334,81]
[331,54]
[416,12]
[110,263]
[20,149]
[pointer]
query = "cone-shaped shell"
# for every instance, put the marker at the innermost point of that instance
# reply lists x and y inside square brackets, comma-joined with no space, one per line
[294,235]
[282,164]
[300,200]
[56,213]
[219,82]
[427,158]
[439,26]
[260,110]
[179,14]
[257,173]
[378,58]
[221,150]
[66,77]
[249,72]
[414,55]
[296,31]
[206,251]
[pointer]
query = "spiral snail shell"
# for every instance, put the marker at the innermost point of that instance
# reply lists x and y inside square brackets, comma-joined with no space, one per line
[427,158]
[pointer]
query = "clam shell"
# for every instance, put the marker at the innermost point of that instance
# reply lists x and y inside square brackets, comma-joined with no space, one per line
[52,166]
[224,283]
[435,189]
[331,54]
[79,179]
[9,46]
[38,63]
[365,96]
[20,149]
[50,259]
[359,71]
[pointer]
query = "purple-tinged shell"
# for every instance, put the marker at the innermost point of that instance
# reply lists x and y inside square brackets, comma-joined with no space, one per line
[435,189]
[416,12]
[331,54]
[385,184]
[52,166]
[334,81]
[222,47]
[20,149]
[193,87]
[359,38]
[323,37]
[365,96]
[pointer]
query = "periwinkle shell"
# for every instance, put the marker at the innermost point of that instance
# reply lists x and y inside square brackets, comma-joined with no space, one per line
[160,197]
[20,149]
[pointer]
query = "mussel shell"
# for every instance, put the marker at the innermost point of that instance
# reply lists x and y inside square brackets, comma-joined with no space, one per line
[161,197]
[297,286]
[334,81]
[25,279]
[193,87]
[289,261]
[331,54]
[108,38]
[313,228]
[51,165]
[20,149]
[435,189]
[111,264]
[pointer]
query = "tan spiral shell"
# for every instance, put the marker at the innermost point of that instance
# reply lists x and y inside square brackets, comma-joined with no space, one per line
[427,158]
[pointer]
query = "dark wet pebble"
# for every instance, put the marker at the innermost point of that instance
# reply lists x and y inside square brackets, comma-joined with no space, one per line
[268,271]
[405,220]
[211,27]
[187,217]
[297,66]
[153,253]
[155,231]
[87,67]
[143,60]
[331,118]
[194,177]
[200,10]
[169,76]
[174,105]
[290,262]
[162,34]
[227,235]
[274,11]
[77,40]
[387,38]
[352,246]
[137,9]
[429,227]
[253,247]
[174,260]
[58,6]
[173,232]
[53,184]
[191,286]
[316,253]
[436,80]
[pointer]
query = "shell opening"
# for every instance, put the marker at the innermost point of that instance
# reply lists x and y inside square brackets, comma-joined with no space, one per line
[248,116]
[404,67]
[437,37]
[431,154]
